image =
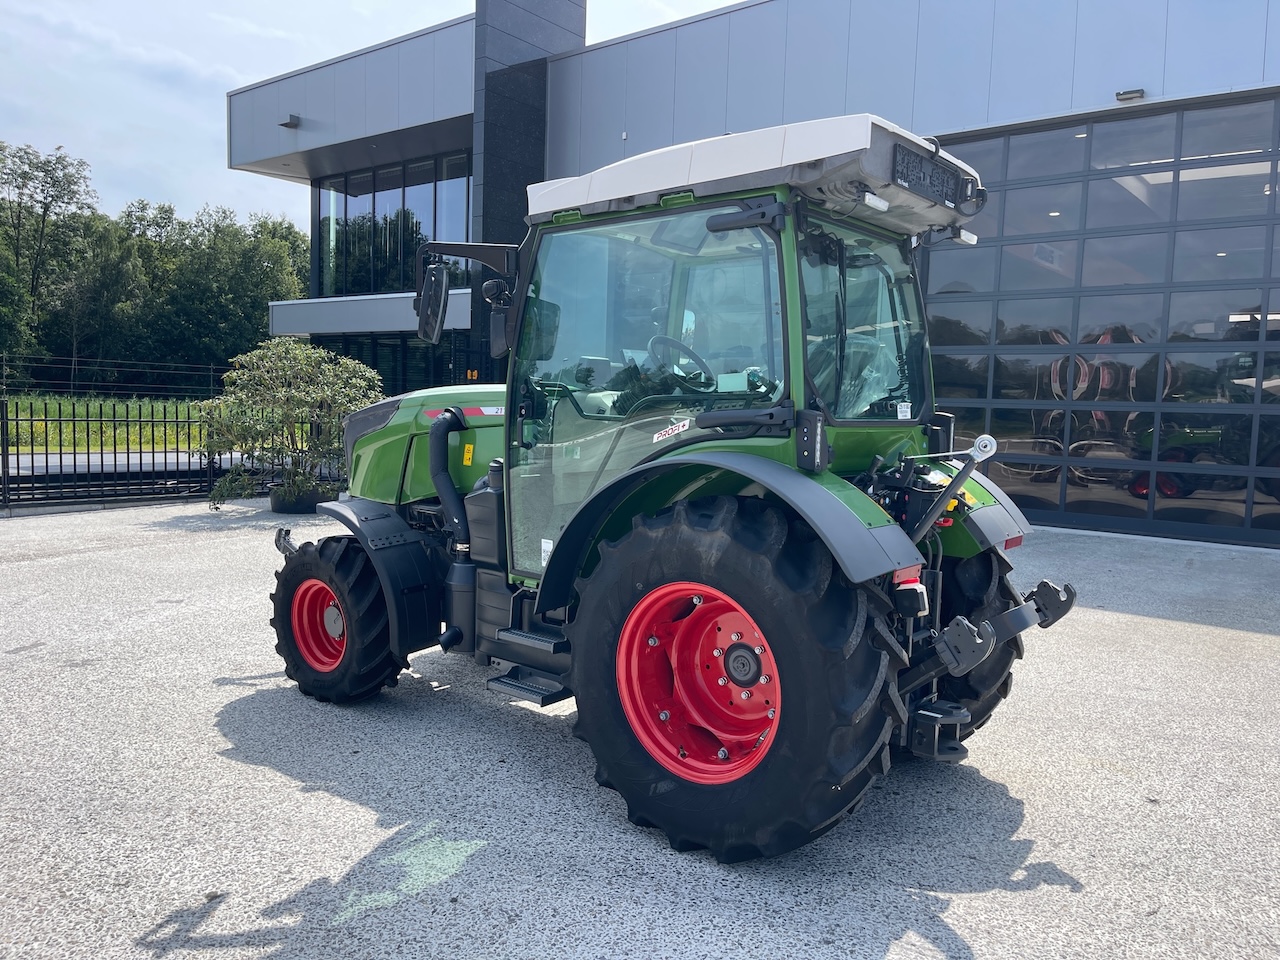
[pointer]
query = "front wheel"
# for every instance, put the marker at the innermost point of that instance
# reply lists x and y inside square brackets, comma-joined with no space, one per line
[331,622]
[734,687]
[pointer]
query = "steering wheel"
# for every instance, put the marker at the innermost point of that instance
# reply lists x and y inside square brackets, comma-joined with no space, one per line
[681,347]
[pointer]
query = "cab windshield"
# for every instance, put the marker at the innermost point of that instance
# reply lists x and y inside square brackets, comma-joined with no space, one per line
[864,336]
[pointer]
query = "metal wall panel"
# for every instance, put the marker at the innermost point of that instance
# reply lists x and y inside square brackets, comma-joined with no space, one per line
[382,90]
[564,116]
[756,71]
[406,83]
[881,77]
[348,98]
[1271,55]
[953,78]
[702,79]
[416,80]
[651,92]
[817,59]
[604,84]
[383,313]
[1033,58]
[239,129]
[320,125]
[1211,49]
[291,97]
[266,117]
[454,71]
[1119,46]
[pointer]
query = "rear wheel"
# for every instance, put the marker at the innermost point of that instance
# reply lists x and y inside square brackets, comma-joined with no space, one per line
[331,622]
[734,687]
[976,589]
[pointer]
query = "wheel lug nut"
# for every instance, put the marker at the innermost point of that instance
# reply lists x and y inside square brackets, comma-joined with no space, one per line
[723,681]
[737,637]
[759,649]
[717,652]
[697,599]
[722,753]
[764,678]
[746,694]
[664,716]
[653,641]
[771,713]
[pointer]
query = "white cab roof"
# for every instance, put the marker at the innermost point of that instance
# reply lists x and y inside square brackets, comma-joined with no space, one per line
[830,161]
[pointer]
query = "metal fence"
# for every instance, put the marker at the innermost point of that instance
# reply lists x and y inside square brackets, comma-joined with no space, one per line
[22,373]
[92,442]
[81,450]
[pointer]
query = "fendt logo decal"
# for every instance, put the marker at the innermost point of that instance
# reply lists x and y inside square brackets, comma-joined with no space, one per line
[671,431]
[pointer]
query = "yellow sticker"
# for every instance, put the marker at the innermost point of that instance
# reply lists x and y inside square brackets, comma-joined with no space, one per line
[468,450]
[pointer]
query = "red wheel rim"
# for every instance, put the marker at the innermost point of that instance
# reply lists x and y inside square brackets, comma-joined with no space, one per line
[698,683]
[319,626]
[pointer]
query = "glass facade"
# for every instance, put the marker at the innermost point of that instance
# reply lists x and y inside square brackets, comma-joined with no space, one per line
[370,223]
[407,363]
[1117,327]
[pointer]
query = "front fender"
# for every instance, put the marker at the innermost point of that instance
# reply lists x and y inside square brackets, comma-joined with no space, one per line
[412,585]
[865,542]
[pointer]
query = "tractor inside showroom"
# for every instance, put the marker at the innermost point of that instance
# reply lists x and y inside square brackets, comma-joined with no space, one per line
[713,501]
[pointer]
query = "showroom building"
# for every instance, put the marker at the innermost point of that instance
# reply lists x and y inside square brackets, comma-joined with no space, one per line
[1113,328]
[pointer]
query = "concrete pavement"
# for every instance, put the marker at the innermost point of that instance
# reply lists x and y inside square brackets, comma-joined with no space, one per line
[167,793]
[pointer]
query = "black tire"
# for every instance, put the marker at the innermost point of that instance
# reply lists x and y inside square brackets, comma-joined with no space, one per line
[836,677]
[976,588]
[360,661]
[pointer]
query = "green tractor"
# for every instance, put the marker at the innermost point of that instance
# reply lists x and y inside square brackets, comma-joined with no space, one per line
[713,501]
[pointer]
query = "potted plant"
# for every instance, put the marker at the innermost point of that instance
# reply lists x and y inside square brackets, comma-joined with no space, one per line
[278,423]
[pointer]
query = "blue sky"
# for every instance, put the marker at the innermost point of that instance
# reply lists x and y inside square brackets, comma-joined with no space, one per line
[138,87]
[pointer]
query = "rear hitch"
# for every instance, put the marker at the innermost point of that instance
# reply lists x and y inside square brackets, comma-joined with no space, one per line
[929,739]
[1051,602]
[283,543]
[962,646]
[957,650]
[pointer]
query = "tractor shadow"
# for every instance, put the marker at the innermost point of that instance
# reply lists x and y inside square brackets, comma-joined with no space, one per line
[242,515]
[503,845]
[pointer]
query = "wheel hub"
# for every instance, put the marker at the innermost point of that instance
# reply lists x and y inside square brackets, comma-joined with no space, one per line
[742,666]
[698,682]
[333,620]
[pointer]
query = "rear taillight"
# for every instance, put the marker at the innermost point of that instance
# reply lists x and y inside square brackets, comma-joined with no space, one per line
[907,574]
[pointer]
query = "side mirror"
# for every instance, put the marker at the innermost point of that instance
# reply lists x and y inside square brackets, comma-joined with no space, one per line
[498,342]
[432,301]
[497,294]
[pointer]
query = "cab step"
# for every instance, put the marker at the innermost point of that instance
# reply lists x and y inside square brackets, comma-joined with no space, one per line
[540,642]
[524,684]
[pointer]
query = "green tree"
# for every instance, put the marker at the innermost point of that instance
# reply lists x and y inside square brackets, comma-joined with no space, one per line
[221,286]
[15,334]
[295,243]
[37,191]
[93,310]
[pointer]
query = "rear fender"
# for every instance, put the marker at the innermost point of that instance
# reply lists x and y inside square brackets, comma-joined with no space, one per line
[411,583]
[862,538]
